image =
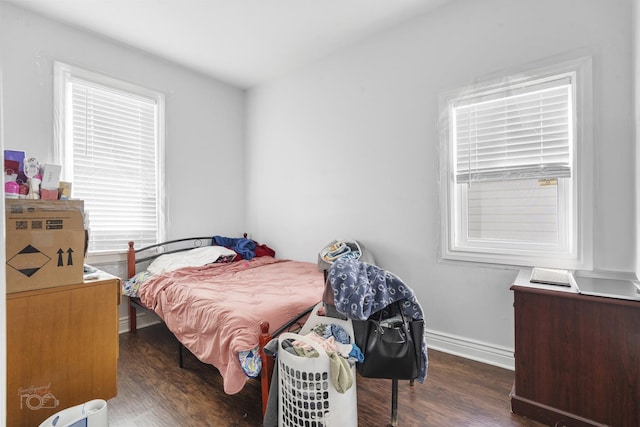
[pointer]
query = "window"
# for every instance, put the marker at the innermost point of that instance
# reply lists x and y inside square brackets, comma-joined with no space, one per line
[513,161]
[110,144]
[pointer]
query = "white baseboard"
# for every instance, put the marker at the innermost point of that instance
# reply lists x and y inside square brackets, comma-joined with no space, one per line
[143,319]
[471,349]
[458,346]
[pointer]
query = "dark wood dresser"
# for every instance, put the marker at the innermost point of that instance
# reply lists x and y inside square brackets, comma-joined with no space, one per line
[577,358]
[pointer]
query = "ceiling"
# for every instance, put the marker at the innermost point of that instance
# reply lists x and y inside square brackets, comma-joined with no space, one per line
[243,42]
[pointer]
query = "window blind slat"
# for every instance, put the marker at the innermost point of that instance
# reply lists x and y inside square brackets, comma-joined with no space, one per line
[525,136]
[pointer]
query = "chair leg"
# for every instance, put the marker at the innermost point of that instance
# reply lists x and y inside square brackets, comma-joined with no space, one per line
[394,402]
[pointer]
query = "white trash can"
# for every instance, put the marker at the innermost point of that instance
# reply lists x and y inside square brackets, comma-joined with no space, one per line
[89,414]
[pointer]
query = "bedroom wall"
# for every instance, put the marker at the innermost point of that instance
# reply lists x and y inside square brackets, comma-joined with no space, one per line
[3,288]
[205,121]
[636,73]
[204,117]
[348,148]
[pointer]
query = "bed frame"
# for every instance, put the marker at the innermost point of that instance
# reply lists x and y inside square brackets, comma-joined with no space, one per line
[141,257]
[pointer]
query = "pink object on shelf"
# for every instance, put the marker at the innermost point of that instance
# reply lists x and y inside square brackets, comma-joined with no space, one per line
[49,194]
[11,189]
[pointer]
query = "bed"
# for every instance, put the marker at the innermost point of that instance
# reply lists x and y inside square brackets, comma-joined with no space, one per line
[221,303]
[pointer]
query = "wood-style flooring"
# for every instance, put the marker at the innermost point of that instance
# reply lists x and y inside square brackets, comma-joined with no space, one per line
[154,392]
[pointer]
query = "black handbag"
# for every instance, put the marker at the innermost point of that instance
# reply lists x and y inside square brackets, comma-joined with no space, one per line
[392,347]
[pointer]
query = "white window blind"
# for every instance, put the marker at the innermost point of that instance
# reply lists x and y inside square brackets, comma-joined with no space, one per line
[112,143]
[526,134]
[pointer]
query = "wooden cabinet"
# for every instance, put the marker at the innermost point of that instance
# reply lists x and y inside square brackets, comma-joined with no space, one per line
[62,348]
[577,359]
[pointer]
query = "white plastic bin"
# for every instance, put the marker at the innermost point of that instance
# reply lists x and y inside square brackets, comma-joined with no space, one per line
[89,414]
[306,395]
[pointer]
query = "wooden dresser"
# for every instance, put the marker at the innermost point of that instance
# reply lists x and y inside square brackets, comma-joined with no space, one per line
[62,348]
[577,358]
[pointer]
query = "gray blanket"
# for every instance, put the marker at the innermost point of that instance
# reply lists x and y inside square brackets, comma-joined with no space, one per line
[362,289]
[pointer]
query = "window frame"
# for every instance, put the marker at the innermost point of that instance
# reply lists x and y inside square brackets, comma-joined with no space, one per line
[578,228]
[63,152]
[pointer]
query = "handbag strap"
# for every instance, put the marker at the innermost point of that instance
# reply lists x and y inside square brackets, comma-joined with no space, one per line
[405,324]
[379,328]
[398,309]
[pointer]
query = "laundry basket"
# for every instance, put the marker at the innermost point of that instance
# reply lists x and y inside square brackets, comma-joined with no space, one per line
[306,394]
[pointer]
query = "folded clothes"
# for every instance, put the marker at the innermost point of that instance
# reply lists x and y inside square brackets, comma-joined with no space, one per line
[351,255]
[339,366]
[332,330]
[328,344]
[339,249]
[336,250]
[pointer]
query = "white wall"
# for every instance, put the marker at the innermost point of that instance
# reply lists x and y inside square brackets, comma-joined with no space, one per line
[3,287]
[636,82]
[348,147]
[204,117]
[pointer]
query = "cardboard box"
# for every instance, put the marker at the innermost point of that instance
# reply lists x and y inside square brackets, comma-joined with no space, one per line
[45,243]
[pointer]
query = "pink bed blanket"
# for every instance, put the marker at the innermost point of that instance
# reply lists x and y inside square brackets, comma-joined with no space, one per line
[215,310]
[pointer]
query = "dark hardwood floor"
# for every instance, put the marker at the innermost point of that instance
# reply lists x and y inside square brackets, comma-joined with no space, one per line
[154,392]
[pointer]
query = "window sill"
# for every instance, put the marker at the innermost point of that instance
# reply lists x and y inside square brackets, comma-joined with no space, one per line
[514,260]
[105,257]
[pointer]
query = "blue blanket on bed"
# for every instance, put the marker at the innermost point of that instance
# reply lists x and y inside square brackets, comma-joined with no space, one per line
[243,246]
[362,289]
